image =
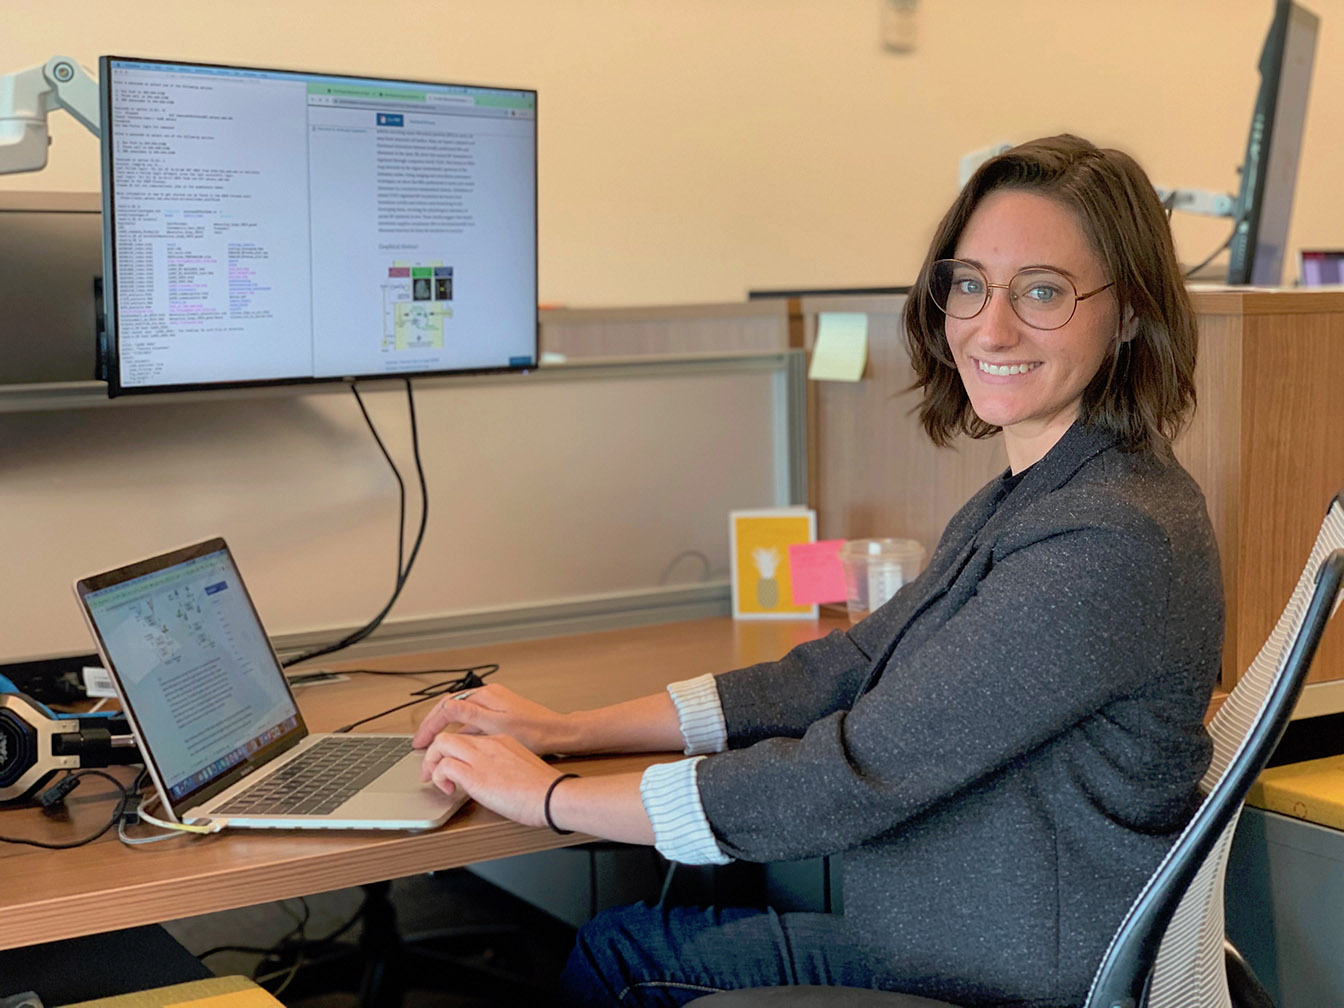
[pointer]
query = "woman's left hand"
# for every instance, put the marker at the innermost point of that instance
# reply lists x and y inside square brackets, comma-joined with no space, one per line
[496,770]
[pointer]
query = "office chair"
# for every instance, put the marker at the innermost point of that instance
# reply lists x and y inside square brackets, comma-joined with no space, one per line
[1170,951]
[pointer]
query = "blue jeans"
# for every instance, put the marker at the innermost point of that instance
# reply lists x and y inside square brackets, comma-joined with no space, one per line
[654,956]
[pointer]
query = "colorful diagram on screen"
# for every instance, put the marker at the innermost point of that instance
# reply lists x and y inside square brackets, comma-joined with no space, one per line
[417,304]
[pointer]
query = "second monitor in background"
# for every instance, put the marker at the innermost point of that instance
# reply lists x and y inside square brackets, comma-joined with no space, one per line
[1264,205]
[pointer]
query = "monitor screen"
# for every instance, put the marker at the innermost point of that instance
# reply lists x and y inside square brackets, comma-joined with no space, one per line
[1274,143]
[50,270]
[1320,267]
[264,226]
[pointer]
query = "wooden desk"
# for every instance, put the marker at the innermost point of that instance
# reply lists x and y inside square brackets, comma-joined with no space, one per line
[105,886]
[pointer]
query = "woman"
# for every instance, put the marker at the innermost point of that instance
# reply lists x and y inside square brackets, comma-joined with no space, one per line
[1004,751]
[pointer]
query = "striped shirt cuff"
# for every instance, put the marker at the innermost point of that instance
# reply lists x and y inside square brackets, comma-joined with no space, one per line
[672,800]
[701,714]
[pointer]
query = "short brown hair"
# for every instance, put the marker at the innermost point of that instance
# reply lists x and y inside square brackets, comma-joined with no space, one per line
[1144,392]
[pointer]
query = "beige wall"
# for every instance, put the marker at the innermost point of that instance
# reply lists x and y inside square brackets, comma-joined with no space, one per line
[558,492]
[693,149]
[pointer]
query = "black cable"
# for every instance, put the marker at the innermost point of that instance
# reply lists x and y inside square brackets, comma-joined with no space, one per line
[404,572]
[396,473]
[274,950]
[684,554]
[297,941]
[469,679]
[1214,254]
[122,801]
[317,675]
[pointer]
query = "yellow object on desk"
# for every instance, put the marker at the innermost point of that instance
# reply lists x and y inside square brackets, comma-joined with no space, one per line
[215,992]
[1312,790]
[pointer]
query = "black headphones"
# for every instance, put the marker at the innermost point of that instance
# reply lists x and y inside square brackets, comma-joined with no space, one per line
[36,743]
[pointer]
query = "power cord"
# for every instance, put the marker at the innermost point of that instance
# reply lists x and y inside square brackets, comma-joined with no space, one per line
[172,827]
[56,794]
[684,555]
[296,943]
[297,939]
[396,474]
[1212,255]
[467,678]
[403,570]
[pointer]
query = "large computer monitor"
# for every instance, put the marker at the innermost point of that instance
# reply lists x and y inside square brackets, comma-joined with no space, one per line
[1274,143]
[50,268]
[264,226]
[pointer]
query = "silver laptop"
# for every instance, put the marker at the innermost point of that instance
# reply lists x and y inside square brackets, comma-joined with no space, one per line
[214,716]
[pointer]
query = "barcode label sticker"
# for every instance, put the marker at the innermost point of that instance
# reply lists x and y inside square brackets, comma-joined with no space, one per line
[97,683]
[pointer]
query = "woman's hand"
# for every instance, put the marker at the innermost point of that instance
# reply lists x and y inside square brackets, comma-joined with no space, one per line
[496,770]
[501,774]
[497,710]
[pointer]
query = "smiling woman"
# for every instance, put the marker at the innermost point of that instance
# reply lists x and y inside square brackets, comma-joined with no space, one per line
[1057,209]
[1025,358]
[1011,743]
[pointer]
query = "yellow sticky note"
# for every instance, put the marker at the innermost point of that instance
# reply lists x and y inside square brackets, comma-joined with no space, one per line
[841,350]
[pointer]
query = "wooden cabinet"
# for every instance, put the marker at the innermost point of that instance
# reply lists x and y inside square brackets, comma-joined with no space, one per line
[1264,445]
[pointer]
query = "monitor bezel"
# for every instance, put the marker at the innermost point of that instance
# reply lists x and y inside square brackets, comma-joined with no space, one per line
[1263,142]
[109,349]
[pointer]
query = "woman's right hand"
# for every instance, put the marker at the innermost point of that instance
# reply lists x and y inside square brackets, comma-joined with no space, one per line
[497,710]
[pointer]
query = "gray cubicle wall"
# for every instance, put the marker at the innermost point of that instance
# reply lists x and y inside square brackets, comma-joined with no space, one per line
[576,496]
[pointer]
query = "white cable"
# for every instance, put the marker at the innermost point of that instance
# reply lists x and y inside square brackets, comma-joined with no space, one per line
[212,827]
[133,841]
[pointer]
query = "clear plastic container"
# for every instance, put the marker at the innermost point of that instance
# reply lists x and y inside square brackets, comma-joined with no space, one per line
[875,569]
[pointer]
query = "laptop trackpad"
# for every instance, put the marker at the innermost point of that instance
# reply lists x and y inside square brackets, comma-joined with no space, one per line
[402,781]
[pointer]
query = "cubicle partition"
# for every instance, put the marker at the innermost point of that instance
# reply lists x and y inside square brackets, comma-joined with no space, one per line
[657,410]
[575,497]
[768,324]
[1262,443]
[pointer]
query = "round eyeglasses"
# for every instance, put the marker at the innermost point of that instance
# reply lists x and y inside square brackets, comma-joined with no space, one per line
[1042,298]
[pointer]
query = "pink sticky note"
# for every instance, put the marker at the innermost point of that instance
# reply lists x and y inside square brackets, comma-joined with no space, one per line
[815,572]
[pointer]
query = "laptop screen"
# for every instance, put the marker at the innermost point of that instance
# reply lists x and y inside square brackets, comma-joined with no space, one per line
[1320,267]
[200,681]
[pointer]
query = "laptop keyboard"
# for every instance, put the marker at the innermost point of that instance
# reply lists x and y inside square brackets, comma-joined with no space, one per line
[322,778]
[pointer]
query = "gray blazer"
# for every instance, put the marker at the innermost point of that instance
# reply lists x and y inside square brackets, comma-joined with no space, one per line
[1004,751]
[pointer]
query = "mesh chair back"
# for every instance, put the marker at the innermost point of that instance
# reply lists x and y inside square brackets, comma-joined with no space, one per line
[1188,968]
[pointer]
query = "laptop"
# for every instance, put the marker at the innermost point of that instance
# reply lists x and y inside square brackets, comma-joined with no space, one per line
[1320,267]
[214,715]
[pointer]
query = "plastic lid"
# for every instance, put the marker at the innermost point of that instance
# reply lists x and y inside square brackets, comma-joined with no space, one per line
[883,547]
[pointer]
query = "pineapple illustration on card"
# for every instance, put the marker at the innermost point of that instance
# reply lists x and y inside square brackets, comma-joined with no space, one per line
[766,560]
[760,553]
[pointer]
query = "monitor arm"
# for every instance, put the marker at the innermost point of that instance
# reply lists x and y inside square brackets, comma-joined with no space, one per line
[25,99]
[1198,201]
[1195,201]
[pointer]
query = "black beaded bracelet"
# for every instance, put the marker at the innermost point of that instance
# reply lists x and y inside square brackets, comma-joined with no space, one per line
[546,804]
